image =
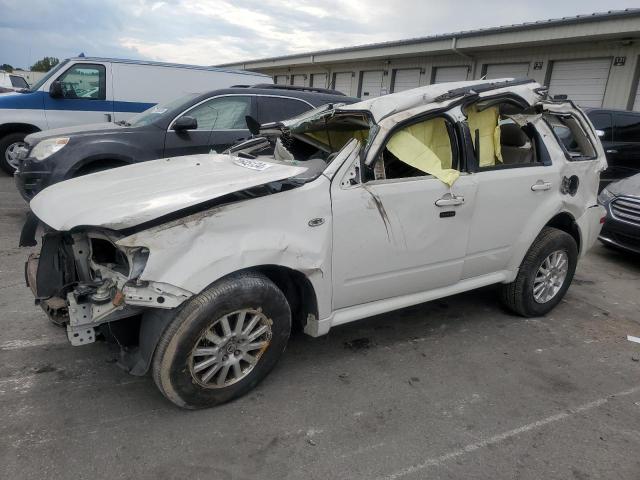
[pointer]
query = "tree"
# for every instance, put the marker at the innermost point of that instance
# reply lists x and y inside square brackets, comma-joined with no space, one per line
[6,67]
[44,65]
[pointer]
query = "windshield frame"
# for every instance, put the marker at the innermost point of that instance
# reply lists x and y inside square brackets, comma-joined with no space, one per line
[38,85]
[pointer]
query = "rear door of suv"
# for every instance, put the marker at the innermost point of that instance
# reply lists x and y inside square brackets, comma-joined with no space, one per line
[619,133]
[626,145]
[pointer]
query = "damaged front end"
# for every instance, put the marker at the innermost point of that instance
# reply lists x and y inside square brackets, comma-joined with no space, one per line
[83,280]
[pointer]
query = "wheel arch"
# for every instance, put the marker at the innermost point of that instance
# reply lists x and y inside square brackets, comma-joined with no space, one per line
[567,223]
[112,161]
[15,127]
[297,289]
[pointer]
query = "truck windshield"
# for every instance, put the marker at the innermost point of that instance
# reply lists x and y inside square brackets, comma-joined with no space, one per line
[152,114]
[49,74]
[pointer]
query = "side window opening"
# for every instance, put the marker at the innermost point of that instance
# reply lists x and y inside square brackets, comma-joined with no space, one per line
[84,81]
[418,150]
[498,140]
[603,125]
[274,109]
[627,128]
[18,82]
[223,113]
[571,136]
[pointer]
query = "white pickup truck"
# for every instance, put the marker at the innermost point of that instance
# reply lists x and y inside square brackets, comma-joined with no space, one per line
[339,214]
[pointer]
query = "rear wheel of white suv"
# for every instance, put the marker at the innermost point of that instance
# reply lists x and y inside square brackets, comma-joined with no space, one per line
[222,342]
[544,275]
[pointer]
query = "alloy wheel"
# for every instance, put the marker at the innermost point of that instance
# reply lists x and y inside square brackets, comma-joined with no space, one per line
[229,349]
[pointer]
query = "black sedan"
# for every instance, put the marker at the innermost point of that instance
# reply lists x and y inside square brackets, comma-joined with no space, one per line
[622,226]
[197,123]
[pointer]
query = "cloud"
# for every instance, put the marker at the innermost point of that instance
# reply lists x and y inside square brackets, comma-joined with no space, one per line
[208,32]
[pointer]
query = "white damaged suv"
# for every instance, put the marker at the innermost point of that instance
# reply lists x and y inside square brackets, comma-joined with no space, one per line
[203,264]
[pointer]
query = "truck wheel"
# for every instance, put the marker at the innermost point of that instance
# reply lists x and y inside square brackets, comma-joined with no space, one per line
[8,148]
[222,342]
[544,276]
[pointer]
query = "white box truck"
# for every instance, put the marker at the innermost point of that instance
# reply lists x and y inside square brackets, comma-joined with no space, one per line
[94,90]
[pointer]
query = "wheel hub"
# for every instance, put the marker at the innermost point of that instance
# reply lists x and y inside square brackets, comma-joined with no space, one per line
[11,153]
[230,348]
[550,276]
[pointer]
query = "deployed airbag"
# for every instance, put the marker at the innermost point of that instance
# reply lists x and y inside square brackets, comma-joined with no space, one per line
[427,147]
[486,123]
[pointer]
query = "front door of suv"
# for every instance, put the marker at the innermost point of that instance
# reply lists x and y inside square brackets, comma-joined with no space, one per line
[221,123]
[402,232]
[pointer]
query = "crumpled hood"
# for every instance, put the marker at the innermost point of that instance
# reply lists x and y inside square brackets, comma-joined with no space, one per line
[128,196]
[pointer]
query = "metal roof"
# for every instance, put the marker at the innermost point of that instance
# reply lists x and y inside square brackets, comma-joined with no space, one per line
[586,18]
[165,64]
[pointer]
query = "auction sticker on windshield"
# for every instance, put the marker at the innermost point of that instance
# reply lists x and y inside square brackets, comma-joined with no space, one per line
[252,164]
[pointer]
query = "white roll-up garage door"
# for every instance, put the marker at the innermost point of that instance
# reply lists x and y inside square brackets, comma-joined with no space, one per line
[507,70]
[584,81]
[451,74]
[297,80]
[319,80]
[406,79]
[280,79]
[371,84]
[342,82]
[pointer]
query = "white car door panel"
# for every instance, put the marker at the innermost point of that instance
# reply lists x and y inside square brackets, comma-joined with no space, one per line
[391,239]
[505,202]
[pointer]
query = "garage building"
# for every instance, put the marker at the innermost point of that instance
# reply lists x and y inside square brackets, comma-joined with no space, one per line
[594,59]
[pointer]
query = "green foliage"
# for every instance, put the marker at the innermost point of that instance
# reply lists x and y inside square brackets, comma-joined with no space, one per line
[44,65]
[6,67]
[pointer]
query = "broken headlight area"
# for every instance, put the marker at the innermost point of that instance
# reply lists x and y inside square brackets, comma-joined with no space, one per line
[83,280]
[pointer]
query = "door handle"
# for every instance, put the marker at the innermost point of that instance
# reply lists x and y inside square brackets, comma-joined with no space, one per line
[540,185]
[449,200]
[611,151]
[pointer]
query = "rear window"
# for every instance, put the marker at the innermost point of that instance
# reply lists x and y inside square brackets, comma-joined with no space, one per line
[275,109]
[571,137]
[627,128]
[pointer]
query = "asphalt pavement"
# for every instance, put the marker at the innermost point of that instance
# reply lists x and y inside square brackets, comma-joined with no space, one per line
[452,389]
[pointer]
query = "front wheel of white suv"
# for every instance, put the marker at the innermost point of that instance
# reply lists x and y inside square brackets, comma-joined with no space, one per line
[544,275]
[222,342]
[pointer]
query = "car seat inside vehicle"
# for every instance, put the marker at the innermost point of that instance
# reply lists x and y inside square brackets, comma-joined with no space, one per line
[515,146]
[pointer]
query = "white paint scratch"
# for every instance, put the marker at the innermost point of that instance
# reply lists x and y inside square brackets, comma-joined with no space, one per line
[495,439]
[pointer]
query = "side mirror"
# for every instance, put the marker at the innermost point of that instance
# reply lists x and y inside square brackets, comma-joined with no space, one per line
[185,123]
[55,90]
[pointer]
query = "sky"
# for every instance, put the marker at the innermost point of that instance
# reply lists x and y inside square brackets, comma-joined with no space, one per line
[210,32]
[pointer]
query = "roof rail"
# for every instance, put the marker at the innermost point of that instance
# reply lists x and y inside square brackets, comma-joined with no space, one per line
[482,87]
[298,89]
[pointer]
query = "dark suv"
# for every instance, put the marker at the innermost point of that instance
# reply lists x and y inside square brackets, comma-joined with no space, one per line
[619,132]
[197,123]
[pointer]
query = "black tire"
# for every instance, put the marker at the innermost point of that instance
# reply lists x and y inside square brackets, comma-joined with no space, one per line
[518,295]
[5,142]
[172,362]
